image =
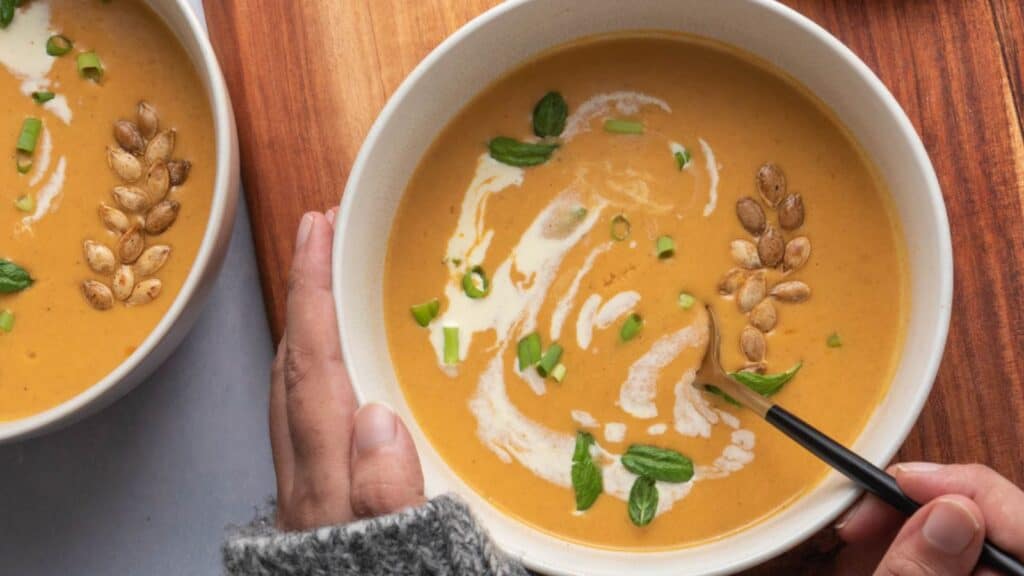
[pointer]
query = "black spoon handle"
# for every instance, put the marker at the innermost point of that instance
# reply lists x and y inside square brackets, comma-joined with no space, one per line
[871,478]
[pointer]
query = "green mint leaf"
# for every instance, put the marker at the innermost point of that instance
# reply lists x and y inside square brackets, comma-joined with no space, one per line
[643,501]
[13,278]
[766,384]
[715,390]
[515,153]
[586,475]
[658,463]
[549,115]
[682,158]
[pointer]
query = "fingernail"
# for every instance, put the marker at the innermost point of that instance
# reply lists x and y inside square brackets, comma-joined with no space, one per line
[845,518]
[950,527]
[331,215]
[376,425]
[305,227]
[918,467]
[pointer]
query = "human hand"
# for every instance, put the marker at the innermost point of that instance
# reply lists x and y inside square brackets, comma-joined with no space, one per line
[964,504]
[333,463]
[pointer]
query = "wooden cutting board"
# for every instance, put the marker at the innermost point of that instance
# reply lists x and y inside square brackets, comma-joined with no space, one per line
[308,78]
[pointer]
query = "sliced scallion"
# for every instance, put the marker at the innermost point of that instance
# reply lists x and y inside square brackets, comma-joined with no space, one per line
[25,203]
[665,247]
[550,359]
[58,45]
[6,320]
[42,97]
[558,373]
[29,135]
[90,66]
[686,301]
[529,351]
[620,228]
[425,312]
[682,158]
[451,345]
[475,283]
[623,126]
[834,341]
[23,162]
[631,327]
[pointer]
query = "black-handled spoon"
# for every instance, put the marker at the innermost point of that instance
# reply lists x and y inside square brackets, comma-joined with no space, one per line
[849,463]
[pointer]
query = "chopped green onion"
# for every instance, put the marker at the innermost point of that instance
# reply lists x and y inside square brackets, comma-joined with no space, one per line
[631,327]
[42,97]
[623,126]
[23,162]
[558,373]
[451,345]
[550,359]
[665,247]
[58,45]
[686,301]
[834,341]
[682,158]
[529,351]
[425,312]
[25,203]
[620,228]
[6,320]
[29,135]
[90,66]
[475,283]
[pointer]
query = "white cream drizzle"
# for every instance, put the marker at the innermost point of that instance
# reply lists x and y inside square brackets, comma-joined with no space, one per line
[712,167]
[637,394]
[585,321]
[565,303]
[23,54]
[616,307]
[512,309]
[601,105]
[584,419]
[615,431]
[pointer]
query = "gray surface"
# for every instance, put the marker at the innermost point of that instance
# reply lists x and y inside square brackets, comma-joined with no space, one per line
[147,486]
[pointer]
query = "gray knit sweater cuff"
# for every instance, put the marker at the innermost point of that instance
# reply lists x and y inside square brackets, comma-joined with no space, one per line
[440,537]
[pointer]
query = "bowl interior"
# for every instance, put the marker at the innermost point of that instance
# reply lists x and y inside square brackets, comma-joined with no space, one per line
[168,333]
[516,31]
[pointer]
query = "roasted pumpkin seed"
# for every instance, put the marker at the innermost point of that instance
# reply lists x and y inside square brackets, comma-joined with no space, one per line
[131,198]
[161,217]
[151,260]
[752,344]
[113,219]
[126,166]
[744,253]
[732,281]
[131,244]
[771,183]
[97,294]
[792,291]
[160,147]
[771,246]
[751,215]
[763,316]
[148,119]
[791,212]
[99,258]
[752,292]
[798,250]
[127,135]
[179,170]
[145,292]
[123,282]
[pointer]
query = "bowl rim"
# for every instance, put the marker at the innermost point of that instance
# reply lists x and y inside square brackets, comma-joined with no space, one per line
[845,495]
[221,208]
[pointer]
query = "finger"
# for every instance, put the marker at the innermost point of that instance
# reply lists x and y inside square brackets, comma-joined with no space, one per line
[944,537]
[332,214]
[1000,501]
[386,473]
[869,520]
[280,443]
[319,398]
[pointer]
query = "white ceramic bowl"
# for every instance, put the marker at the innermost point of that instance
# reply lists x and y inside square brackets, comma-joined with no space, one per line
[495,43]
[189,301]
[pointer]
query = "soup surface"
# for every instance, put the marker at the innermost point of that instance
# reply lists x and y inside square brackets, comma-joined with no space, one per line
[610,245]
[58,342]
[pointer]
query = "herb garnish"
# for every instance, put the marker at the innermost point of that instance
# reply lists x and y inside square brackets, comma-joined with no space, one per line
[549,115]
[586,476]
[658,463]
[13,278]
[766,384]
[643,501]
[515,153]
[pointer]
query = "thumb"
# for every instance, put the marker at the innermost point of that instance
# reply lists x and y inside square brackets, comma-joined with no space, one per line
[386,473]
[942,538]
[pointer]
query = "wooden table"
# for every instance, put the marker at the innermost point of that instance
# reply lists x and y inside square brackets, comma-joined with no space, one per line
[308,78]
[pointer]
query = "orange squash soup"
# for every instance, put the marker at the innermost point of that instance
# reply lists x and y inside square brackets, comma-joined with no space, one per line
[105,191]
[548,272]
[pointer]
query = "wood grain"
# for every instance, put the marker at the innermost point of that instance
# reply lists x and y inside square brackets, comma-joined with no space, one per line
[306,98]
